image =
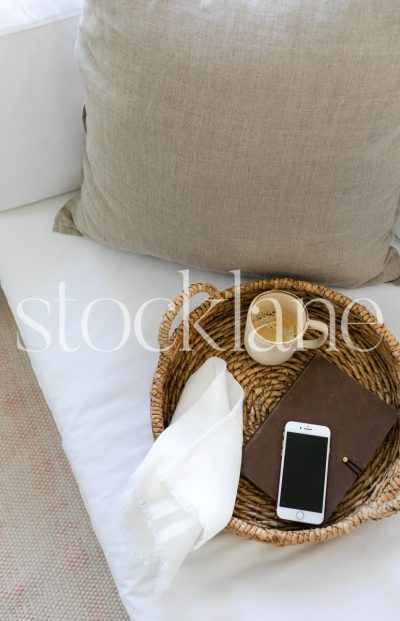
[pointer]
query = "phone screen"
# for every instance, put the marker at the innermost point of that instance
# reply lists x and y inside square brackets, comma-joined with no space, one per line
[303,476]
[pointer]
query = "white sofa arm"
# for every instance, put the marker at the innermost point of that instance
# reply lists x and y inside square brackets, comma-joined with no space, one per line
[41,133]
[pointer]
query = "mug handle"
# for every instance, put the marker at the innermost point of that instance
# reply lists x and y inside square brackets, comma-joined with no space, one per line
[320,340]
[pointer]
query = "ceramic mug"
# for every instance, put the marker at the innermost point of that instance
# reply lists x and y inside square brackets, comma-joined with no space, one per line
[275,326]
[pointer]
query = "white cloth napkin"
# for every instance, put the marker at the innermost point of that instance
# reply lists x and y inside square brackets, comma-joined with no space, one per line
[184,491]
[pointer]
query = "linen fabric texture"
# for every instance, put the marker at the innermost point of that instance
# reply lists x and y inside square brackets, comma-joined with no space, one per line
[254,135]
[184,491]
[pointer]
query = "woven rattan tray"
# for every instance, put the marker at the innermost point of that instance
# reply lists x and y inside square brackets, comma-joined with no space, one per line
[376,493]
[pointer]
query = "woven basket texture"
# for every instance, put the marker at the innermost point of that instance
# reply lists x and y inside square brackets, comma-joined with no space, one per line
[376,493]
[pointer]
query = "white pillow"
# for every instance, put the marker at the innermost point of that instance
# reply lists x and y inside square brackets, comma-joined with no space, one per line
[41,100]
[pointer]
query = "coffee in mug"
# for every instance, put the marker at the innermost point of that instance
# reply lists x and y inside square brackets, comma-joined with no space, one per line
[275,326]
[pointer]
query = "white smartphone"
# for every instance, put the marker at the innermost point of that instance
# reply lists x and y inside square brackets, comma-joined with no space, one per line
[304,472]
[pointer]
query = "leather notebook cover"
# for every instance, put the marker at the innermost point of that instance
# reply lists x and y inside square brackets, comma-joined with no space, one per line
[322,394]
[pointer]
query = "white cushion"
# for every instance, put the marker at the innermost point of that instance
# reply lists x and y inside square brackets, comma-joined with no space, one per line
[41,100]
[100,402]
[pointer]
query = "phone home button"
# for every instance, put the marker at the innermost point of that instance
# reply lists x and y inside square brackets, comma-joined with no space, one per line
[300,515]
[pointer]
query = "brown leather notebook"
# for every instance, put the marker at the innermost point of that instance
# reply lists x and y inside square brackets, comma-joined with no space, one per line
[322,394]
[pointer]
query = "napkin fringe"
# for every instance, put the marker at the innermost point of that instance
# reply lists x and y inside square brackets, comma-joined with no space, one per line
[155,558]
[126,517]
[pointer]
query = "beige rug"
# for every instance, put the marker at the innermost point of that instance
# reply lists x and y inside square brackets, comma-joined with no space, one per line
[51,566]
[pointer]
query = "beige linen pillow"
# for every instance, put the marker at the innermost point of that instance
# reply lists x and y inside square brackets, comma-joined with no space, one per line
[259,135]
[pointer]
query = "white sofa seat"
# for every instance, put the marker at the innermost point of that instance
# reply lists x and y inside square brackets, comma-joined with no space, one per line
[100,402]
